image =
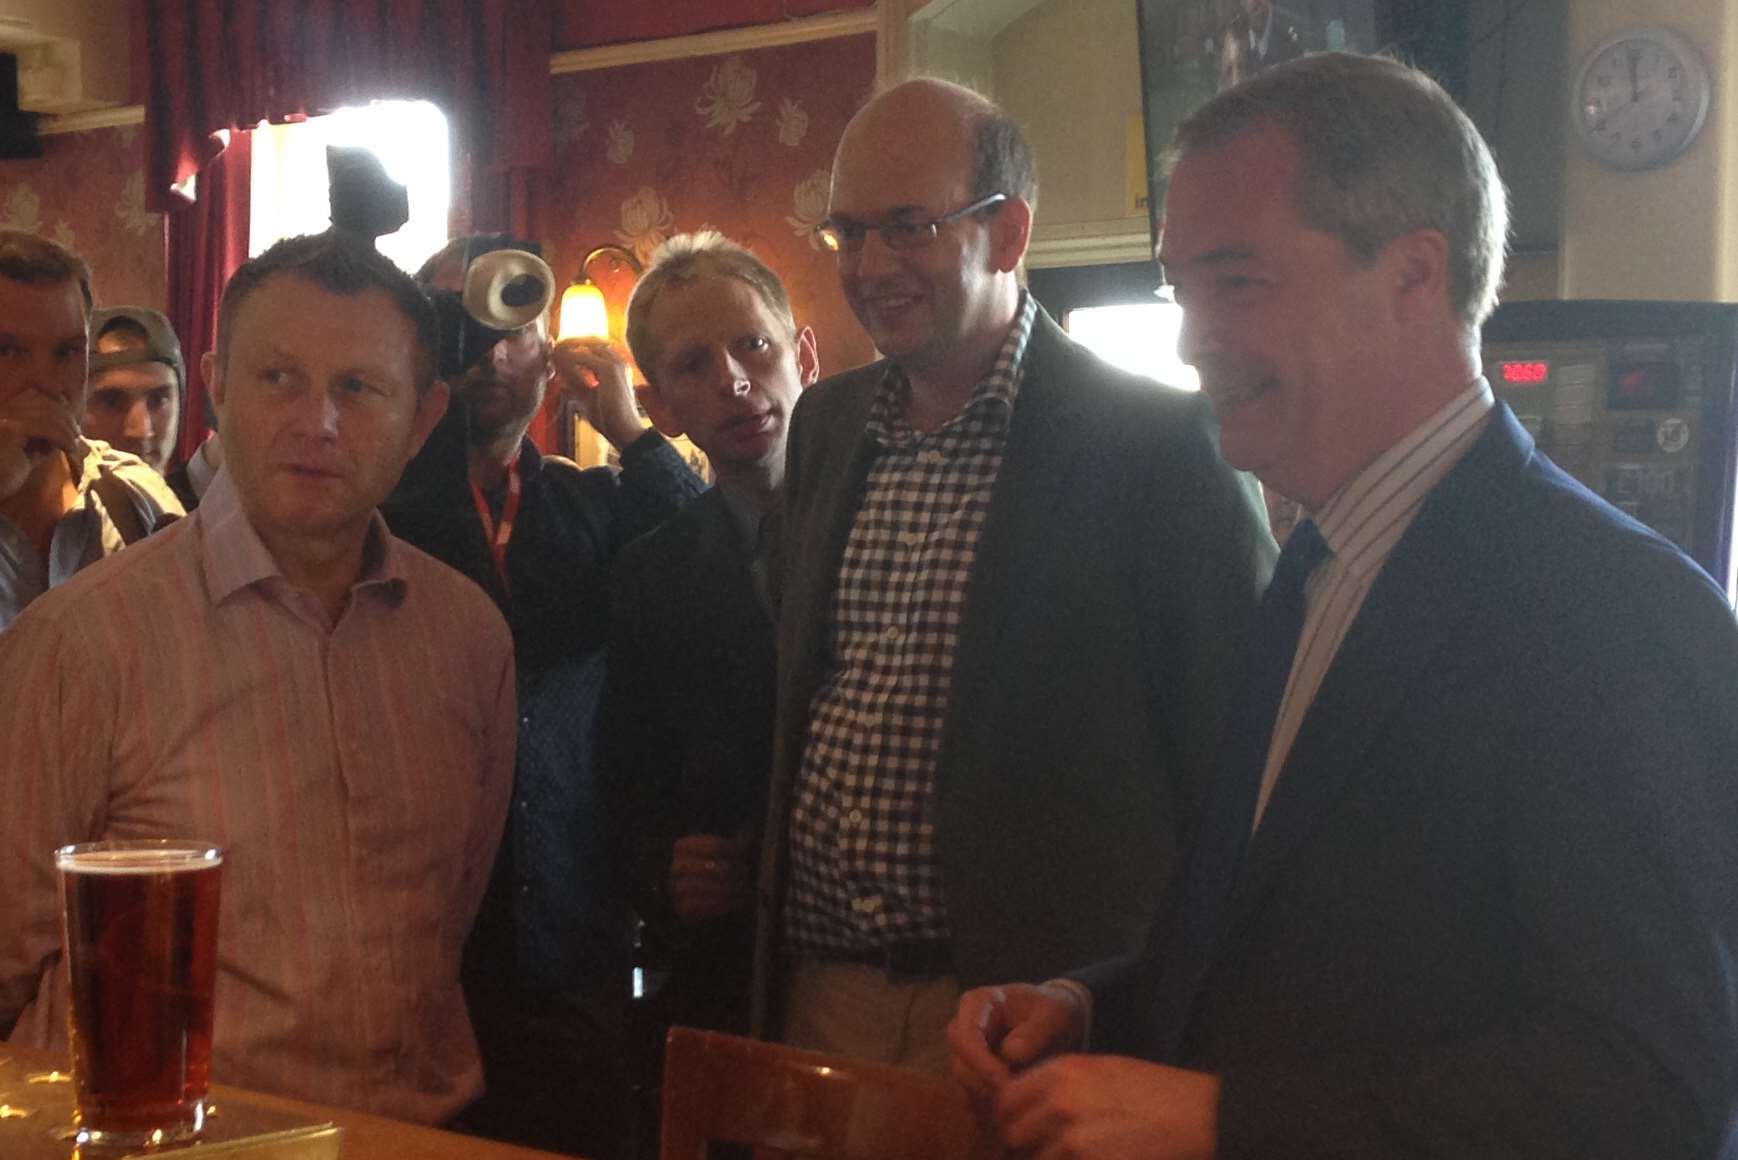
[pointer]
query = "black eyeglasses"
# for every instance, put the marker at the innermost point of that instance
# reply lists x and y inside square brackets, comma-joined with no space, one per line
[897,233]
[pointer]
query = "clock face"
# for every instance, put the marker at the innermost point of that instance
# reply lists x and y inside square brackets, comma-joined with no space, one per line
[1641,99]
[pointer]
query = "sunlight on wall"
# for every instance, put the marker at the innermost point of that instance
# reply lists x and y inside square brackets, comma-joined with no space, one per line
[1141,338]
[289,174]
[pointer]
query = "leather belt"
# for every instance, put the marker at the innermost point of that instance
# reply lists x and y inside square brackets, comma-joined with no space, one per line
[925,959]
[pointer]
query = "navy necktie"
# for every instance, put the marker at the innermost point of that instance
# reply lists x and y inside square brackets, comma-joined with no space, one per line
[1198,918]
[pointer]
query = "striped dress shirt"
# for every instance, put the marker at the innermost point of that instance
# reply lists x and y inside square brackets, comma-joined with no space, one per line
[1361,523]
[355,772]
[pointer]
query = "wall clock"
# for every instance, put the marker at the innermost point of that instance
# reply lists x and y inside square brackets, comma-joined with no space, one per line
[1641,98]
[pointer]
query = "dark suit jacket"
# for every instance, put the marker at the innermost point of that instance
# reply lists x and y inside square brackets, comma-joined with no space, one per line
[1116,574]
[1492,910]
[685,741]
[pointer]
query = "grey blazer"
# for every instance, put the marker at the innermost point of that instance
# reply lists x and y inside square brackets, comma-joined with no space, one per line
[1118,569]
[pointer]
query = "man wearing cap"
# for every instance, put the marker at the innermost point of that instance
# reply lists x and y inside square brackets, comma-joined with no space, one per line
[65,501]
[137,391]
[547,964]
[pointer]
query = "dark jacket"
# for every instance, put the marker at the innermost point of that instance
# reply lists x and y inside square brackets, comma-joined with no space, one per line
[553,911]
[1492,908]
[685,741]
[1116,574]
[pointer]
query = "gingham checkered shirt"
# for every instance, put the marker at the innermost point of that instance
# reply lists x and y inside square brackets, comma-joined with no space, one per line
[862,829]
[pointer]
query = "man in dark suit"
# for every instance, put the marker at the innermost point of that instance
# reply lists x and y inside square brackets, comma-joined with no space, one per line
[1015,581]
[1475,893]
[685,735]
[1276,33]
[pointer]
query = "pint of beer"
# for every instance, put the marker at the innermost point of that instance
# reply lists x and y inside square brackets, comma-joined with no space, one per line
[141,948]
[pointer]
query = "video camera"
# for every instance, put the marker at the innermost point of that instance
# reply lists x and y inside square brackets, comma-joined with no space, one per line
[507,285]
[504,290]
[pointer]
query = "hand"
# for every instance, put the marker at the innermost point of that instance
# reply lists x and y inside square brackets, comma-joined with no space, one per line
[597,373]
[33,425]
[710,875]
[1110,1108]
[999,1030]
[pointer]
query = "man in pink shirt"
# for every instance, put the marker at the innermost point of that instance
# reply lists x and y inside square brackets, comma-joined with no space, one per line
[278,675]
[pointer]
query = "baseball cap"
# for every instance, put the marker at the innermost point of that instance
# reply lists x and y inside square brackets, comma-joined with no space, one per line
[160,344]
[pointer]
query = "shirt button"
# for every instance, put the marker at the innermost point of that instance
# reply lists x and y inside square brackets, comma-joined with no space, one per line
[893,634]
[913,540]
[930,458]
[525,721]
[855,818]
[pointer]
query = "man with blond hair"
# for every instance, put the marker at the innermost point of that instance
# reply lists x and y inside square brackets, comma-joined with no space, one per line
[686,736]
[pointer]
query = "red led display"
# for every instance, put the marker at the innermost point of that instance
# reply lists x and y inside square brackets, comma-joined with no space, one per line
[1525,374]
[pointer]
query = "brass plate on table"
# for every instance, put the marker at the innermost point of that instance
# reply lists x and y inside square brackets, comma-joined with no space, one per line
[36,1122]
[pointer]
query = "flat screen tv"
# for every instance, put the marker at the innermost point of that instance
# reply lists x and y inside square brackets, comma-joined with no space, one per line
[1190,49]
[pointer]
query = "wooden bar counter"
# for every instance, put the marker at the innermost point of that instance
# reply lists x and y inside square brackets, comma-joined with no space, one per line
[31,1111]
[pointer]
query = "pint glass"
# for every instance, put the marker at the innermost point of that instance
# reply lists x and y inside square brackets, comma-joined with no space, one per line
[141,948]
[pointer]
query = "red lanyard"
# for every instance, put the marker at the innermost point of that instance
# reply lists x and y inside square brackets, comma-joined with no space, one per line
[499,534]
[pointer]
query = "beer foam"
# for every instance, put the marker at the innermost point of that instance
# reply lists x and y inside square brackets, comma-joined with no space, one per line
[137,860]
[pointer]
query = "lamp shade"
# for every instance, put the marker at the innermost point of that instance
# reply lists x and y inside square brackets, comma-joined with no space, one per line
[584,313]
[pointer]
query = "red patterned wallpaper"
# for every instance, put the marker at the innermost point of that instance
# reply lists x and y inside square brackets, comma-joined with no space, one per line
[740,143]
[585,23]
[87,191]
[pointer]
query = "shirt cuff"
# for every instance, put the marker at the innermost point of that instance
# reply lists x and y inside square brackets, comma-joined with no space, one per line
[1083,996]
[644,445]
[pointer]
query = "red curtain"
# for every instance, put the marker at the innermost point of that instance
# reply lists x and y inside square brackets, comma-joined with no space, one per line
[207,241]
[215,64]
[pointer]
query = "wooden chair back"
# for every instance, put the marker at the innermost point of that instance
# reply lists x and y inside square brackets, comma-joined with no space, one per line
[780,1100]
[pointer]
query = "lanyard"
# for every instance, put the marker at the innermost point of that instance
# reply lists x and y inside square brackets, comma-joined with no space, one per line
[499,534]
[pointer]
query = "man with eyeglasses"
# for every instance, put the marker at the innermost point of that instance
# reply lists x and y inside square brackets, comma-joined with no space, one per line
[1014,584]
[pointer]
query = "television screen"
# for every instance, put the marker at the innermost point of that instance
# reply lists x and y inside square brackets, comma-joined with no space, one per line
[1190,49]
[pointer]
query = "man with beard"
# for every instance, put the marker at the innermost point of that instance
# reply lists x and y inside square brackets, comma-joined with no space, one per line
[547,964]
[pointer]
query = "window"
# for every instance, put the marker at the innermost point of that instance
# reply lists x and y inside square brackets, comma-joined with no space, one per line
[1140,337]
[289,194]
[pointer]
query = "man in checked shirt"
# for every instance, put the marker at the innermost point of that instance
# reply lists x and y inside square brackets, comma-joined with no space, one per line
[1015,585]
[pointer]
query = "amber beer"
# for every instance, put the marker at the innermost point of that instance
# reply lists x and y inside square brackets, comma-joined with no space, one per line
[141,949]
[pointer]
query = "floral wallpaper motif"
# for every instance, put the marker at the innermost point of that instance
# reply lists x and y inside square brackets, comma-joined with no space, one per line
[809,201]
[87,192]
[728,97]
[621,143]
[646,222]
[793,123]
[740,143]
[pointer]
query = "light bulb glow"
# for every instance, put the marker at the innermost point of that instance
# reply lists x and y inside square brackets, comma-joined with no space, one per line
[584,313]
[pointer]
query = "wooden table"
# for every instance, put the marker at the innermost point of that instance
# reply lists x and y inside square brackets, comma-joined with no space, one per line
[366,1137]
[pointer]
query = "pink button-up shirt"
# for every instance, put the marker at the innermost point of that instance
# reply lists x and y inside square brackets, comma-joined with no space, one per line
[357,775]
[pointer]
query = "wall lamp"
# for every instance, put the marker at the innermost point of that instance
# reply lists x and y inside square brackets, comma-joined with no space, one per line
[584,312]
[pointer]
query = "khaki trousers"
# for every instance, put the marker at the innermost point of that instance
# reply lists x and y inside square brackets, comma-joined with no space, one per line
[861,1011]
